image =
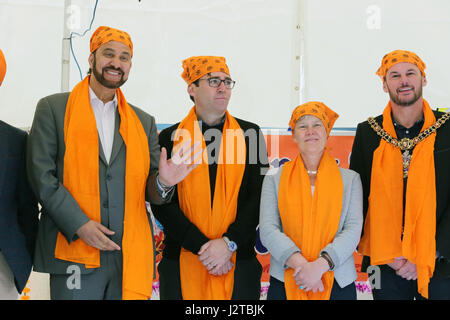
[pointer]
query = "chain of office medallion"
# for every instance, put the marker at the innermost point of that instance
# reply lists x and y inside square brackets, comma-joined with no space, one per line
[406,143]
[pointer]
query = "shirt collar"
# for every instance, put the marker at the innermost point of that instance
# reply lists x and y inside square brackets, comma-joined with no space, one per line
[204,126]
[94,99]
[219,124]
[417,124]
[403,132]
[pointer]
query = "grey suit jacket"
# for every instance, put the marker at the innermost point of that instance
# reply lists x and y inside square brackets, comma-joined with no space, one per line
[60,211]
[341,249]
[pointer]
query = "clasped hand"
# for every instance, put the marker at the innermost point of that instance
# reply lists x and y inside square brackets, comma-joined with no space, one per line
[308,275]
[215,256]
[404,268]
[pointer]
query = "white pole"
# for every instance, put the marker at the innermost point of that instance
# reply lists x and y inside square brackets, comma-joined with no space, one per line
[300,50]
[298,61]
[65,59]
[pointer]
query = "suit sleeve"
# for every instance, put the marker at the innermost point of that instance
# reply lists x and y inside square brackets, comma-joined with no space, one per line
[42,153]
[28,211]
[152,194]
[358,164]
[442,237]
[443,197]
[280,246]
[347,239]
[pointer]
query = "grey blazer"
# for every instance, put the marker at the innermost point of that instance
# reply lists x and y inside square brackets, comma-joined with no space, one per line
[60,211]
[341,249]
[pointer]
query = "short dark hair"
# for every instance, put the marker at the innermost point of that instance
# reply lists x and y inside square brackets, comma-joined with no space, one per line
[196,82]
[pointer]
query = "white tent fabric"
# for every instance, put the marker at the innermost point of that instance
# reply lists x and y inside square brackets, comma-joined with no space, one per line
[281,53]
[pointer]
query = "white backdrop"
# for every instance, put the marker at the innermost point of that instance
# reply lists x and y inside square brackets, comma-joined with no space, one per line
[280,52]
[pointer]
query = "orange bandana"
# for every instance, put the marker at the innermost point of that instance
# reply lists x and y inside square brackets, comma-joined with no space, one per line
[398,56]
[317,109]
[310,221]
[81,167]
[105,34]
[196,67]
[383,225]
[2,67]
[212,220]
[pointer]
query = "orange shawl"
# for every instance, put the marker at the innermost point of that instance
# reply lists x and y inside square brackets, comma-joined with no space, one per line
[81,178]
[195,201]
[310,221]
[2,67]
[383,226]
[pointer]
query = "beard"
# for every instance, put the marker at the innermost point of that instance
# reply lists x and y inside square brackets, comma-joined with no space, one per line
[417,94]
[101,78]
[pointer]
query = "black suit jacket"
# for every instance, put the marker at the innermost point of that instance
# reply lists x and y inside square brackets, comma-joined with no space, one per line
[180,232]
[366,141]
[18,206]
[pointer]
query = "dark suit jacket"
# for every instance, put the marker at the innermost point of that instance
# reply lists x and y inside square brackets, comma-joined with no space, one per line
[366,141]
[18,206]
[180,232]
[60,211]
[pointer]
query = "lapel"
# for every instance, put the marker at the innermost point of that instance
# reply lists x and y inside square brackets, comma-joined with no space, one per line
[118,141]
[101,153]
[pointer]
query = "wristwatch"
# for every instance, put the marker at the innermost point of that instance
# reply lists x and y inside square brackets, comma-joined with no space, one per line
[327,258]
[162,189]
[232,246]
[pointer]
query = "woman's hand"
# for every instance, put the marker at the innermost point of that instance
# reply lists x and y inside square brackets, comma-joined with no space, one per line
[296,260]
[317,287]
[309,274]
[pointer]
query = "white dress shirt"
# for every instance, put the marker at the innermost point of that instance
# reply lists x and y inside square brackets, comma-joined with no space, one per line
[105,116]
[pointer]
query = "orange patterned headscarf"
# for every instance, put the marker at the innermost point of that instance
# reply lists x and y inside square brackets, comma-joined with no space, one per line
[398,56]
[105,34]
[2,67]
[317,109]
[196,67]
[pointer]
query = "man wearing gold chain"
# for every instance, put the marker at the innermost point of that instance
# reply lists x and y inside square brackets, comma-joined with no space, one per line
[403,157]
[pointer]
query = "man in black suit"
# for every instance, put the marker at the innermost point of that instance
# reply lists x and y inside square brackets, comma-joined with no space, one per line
[209,249]
[18,210]
[403,157]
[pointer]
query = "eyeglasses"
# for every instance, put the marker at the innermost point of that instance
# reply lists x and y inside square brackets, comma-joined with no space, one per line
[216,82]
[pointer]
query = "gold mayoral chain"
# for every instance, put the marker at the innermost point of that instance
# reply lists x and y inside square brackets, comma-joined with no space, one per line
[407,144]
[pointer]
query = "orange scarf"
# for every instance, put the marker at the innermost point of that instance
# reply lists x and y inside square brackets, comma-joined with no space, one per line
[195,201]
[81,178]
[310,221]
[2,67]
[383,226]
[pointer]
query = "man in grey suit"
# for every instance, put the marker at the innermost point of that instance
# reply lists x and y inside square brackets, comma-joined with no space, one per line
[119,272]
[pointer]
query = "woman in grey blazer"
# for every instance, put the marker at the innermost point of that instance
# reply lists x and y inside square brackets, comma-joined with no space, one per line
[332,200]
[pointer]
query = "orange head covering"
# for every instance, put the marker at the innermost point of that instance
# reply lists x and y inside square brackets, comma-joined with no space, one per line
[196,67]
[398,56]
[105,34]
[2,67]
[317,109]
